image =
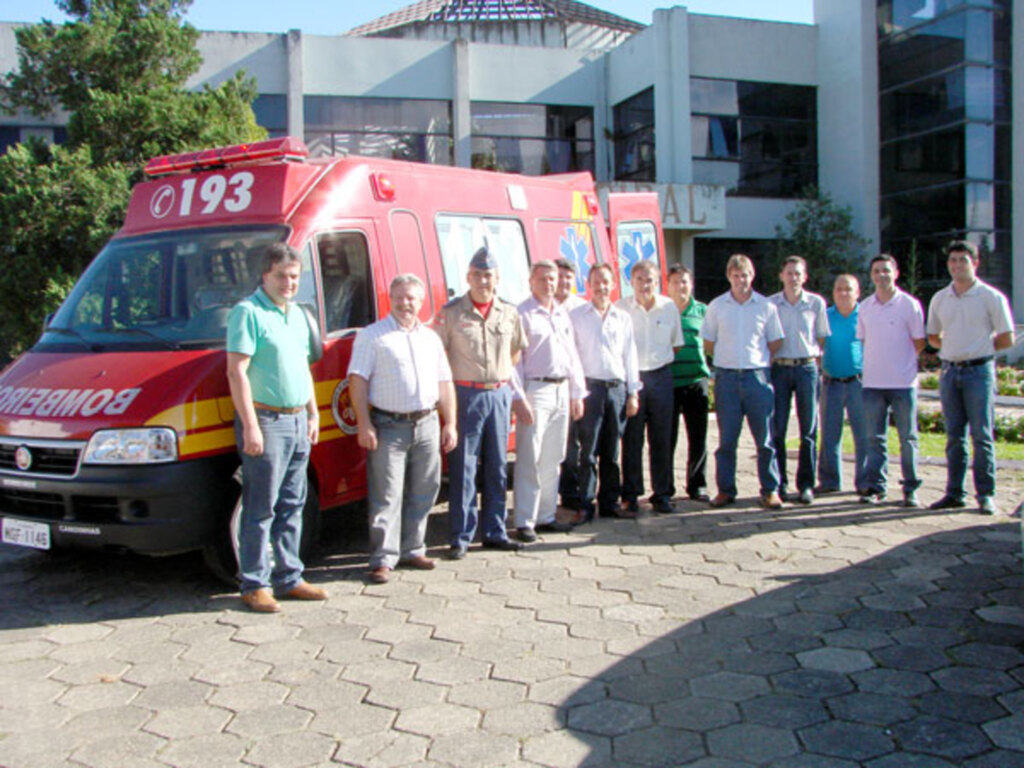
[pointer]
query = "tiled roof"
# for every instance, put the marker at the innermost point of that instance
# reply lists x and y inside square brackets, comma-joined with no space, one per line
[497,11]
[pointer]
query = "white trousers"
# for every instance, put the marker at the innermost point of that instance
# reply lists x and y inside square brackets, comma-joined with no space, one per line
[540,448]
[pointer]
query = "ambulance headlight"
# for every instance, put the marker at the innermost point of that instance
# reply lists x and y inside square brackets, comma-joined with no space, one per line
[153,445]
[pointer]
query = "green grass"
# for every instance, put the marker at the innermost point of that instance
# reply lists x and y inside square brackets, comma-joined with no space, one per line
[929,444]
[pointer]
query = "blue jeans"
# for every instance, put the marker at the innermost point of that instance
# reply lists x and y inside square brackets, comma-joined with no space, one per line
[273,495]
[737,394]
[483,438]
[600,430]
[657,405]
[837,397]
[903,405]
[801,381]
[403,475]
[968,398]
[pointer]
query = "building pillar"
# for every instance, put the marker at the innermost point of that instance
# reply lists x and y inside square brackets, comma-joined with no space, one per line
[672,96]
[462,125]
[296,114]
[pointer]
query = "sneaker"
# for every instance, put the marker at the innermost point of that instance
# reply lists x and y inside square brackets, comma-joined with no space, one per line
[806,496]
[870,497]
[910,500]
[505,545]
[987,506]
[949,502]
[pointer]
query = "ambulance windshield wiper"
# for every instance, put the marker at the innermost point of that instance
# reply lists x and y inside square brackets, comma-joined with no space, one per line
[71,332]
[167,343]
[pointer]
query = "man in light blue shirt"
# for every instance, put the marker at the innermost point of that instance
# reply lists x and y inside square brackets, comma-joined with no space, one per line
[741,331]
[795,372]
[841,365]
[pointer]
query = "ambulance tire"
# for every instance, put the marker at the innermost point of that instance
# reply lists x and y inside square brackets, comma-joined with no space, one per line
[221,555]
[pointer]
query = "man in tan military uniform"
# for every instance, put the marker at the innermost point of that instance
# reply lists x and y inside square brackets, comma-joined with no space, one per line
[484,337]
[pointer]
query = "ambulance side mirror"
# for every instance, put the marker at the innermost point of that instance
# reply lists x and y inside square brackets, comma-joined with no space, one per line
[316,342]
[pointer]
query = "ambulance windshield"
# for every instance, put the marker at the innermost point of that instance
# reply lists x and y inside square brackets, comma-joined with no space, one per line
[172,290]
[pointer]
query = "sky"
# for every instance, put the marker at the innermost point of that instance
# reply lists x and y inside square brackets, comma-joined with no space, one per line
[329,17]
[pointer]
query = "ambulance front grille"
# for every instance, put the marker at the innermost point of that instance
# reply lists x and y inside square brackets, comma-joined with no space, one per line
[47,459]
[32,504]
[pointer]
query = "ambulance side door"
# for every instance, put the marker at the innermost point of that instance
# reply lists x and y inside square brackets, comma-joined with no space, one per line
[353,294]
[634,221]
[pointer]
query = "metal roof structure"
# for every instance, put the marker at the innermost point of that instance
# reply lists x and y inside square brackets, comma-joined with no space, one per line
[474,11]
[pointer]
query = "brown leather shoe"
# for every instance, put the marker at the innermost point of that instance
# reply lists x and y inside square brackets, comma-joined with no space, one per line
[261,601]
[721,500]
[306,591]
[419,562]
[771,501]
[380,575]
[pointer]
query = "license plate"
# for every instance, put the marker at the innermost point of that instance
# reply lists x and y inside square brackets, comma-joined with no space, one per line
[22,533]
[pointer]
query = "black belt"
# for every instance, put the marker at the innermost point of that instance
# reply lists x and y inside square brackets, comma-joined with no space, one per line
[841,379]
[969,363]
[548,379]
[410,416]
[656,370]
[607,383]
[793,361]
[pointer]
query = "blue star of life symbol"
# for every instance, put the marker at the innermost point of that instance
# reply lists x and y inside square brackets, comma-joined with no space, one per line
[636,250]
[575,250]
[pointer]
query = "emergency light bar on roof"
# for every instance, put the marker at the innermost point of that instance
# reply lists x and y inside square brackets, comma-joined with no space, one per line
[286,148]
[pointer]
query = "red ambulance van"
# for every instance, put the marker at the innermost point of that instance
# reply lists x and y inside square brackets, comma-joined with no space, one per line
[116,427]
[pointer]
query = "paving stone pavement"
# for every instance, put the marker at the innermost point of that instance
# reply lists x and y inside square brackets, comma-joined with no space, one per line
[827,636]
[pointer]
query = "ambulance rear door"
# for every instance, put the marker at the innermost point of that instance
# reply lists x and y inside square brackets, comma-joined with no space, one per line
[634,222]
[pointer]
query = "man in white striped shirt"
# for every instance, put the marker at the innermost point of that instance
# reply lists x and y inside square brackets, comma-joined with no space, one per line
[399,378]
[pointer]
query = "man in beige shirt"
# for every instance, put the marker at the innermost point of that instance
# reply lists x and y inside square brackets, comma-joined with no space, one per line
[483,337]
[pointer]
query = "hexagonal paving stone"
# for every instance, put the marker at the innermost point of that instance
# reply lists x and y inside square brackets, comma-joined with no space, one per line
[981,682]
[566,749]
[95,695]
[729,686]
[437,719]
[645,689]
[1007,732]
[291,750]
[849,741]
[353,721]
[487,694]
[912,658]
[405,694]
[475,749]
[695,713]
[267,721]
[524,719]
[609,718]
[943,738]
[965,707]
[835,660]
[988,655]
[871,708]
[658,746]
[779,711]
[243,696]
[179,722]
[893,682]
[754,743]
[204,751]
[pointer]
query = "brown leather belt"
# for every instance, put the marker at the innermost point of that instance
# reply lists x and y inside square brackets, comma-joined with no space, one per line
[277,409]
[793,361]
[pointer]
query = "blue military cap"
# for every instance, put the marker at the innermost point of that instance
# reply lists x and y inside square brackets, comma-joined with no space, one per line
[483,259]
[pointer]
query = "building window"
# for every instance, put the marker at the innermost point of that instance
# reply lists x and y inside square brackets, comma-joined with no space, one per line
[756,139]
[402,129]
[944,119]
[711,254]
[271,111]
[533,139]
[634,137]
[15,134]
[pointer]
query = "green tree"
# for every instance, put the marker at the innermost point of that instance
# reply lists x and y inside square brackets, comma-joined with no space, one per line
[821,230]
[119,68]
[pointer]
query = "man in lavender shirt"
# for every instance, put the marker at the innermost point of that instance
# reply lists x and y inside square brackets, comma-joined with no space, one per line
[891,326]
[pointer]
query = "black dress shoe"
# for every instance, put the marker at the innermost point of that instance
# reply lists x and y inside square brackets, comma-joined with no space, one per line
[700,496]
[949,502]
[455,552]
[506,545]
[631,505]
[663,507]
[526,535]
[553,527]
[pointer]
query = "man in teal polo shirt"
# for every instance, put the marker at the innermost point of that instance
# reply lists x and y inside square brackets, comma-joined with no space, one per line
[690,382]
[276,422]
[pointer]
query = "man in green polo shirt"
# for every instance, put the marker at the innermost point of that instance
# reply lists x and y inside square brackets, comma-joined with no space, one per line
[690,382]
[276,422]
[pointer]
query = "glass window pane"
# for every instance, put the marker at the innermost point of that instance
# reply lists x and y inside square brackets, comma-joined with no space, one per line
[347,280]
[716,97]
[326,113]
[714,136]
[461,236]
